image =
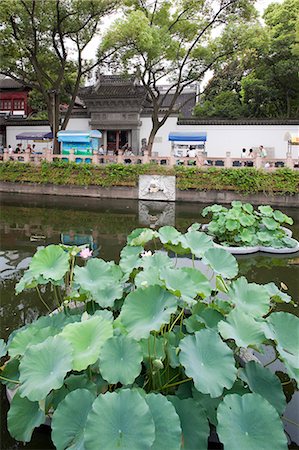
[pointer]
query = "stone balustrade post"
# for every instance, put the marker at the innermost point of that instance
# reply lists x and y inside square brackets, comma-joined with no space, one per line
[5,155]
[145,157]
[258,162]
[49,155]
[289,161]
[27,155]
[228,161]
[172,160]
[119,158]
[72,155]
[95,158]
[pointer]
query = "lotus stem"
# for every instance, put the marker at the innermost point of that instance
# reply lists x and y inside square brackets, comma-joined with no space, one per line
[290,421]
[42,300]
[177,319]
[9,380]
[177,384]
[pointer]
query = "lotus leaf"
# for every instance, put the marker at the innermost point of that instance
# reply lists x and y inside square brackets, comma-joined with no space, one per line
[266,210]
[29,336]
[232,225]
[197,242]
[51,262]
[167,423]
[170,235]
[29,280]
[153,347]
[247,207]
[158,260]
[23,416]
[242,328]
[210,317]
[283,328]
[270,223]
[251,298]
[263,382]
[10,371]
[120,360]
[73,382]
[69,420]
[3,349]
[246,220]
[87,339]
[148,277]
[194,423]
[221,262]
[209,361]
[130,258]
[276,294]
[101,279]
[251,422]
[119,420]
[141,236]
[146,310]
[44,367]
[186,282]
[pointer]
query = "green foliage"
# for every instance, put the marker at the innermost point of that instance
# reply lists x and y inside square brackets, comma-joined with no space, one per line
[246,180]
[241,225]
[225,105]
[157,364]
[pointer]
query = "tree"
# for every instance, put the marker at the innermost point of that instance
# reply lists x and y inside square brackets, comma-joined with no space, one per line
[170,41]
[42,46]
[225,105]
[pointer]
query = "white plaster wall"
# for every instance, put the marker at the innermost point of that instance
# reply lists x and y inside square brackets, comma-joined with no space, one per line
[78,124]
[162,144]
[224,138]
[12,131]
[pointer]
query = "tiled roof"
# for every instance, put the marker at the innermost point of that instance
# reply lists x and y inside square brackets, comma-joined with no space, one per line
[9,83]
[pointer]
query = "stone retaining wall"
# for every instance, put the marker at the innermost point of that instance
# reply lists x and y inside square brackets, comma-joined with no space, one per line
[119,192]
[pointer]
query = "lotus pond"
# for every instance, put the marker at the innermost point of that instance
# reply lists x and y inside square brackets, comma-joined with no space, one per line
[31,223]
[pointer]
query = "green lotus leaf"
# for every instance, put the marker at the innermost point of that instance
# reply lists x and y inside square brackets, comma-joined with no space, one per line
[148,277]
[197,242]
[146,310]
[169,235]
[248,237]
[242,328]
[3,348]
[141,236]
[277,295]
[209,361]
[265,210]
[279,216]
[194,423]
[57,320]
[23,416]
[194,323]
[251,298]
[44,367]
[29,336]
[159,260]
[194,227]
[209,316]
[172,348]
[167,423]
[120,360]
[270,223]
[221,262]
[267,384]
[247,207]
[101,279]
[29,280]
[73,382]
[10,371]
[246,420]
[186,282]
[51,262]
[246,220]
[69,420]
[105,314]
[119,420]
[87,339]
[283,328]
[130,258]
[152,264]
[232,225]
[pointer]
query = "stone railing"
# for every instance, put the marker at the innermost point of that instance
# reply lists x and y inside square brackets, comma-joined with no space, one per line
[228,161]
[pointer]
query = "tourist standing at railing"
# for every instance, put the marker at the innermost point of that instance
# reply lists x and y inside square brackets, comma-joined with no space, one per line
[262,151]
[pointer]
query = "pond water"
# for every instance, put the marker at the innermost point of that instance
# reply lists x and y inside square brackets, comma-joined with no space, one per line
[29,222]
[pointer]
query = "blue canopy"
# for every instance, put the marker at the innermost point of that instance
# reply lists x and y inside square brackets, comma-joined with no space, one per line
[78,136]
[189,136]
[35,135]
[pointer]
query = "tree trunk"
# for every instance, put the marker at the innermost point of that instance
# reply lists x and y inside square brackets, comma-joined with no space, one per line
[55,119]
[150,142]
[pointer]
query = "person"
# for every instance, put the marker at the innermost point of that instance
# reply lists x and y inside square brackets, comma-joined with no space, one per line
[29,148]
[101,150]
[262,151]
[191,153]
[243,152]
[250,153]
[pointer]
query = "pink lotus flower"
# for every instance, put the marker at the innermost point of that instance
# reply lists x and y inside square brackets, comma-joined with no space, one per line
[85,253]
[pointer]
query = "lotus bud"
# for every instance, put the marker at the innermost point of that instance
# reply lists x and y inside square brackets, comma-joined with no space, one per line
[157,363]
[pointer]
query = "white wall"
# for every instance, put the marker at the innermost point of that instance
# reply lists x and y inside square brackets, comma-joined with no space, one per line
[12,131]
[223,138]
[78,124]
[162,145]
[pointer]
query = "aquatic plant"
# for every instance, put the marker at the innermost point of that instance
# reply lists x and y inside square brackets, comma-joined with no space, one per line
[149,353]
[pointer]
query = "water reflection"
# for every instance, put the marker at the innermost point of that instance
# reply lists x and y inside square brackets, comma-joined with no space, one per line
[30,222]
